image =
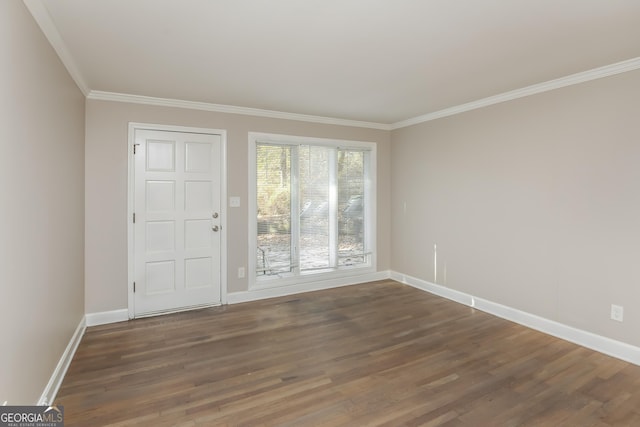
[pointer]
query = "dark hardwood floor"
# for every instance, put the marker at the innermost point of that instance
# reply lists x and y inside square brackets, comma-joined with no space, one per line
[376,354]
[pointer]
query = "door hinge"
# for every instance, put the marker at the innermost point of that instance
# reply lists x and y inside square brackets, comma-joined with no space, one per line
[135,146]
[134,287]
[134,217]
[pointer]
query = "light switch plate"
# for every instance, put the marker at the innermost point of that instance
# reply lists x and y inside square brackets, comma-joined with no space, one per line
[234,202]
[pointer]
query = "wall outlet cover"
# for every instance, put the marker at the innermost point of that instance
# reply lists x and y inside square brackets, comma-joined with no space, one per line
[617,312]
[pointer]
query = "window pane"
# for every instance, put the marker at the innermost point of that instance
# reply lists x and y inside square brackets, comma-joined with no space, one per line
[351,199]
[273,184]
[314,207]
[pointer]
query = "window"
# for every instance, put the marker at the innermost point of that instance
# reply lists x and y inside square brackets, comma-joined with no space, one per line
[312,206]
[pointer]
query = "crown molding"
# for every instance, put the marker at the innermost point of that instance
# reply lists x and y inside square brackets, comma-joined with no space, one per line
[41,15]
[573,79]
[230,109]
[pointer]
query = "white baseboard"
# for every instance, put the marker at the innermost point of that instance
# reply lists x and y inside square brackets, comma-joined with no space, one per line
[281,291]
[432,288]
[51,390]
[608,346]
[104,317]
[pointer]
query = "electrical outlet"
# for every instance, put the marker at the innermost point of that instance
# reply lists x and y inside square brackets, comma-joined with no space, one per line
[240,272]
[617,312]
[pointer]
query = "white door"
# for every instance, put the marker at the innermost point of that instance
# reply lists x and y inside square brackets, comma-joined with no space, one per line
[177,221]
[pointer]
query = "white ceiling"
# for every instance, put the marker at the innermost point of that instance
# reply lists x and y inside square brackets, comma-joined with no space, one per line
[382,61]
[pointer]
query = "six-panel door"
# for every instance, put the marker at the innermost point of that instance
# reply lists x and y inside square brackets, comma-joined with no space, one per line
[177,225]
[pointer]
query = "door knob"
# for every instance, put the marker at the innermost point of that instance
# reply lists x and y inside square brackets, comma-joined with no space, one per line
[215,228]
[215,215]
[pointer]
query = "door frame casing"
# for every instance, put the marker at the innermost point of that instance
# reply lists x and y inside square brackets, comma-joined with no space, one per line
[133,126]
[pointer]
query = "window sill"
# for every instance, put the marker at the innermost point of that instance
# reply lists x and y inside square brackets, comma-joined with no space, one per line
[276,281]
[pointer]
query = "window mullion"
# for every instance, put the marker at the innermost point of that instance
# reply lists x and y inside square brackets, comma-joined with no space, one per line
[367,208]
[333,208]
[295,211]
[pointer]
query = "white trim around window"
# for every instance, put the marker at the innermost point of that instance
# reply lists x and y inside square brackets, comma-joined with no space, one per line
[294,275]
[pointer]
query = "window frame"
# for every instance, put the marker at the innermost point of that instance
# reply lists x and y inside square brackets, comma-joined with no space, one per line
[332,273]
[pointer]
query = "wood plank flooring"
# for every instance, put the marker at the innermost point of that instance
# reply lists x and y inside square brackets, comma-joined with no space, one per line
[376,354]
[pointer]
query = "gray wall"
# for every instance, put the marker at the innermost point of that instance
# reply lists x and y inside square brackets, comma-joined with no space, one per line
[533,203]
[41,207]
[106,187]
